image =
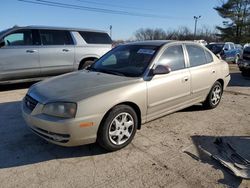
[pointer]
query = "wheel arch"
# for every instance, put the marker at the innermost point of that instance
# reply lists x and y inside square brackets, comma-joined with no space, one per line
[130,104]
[221,81]
[84,59]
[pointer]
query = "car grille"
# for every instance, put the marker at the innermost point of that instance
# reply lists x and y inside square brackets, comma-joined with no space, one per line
[56,137]
[30,102]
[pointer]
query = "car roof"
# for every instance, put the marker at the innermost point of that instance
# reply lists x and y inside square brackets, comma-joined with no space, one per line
[160,42]
[57,28]
[151,42]
[216,43]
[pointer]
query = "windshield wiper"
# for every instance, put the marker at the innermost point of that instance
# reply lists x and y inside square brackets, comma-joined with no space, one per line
[105,71]
[111,72]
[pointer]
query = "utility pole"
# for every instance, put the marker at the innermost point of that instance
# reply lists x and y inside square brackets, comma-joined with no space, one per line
[110,31]
[196,18]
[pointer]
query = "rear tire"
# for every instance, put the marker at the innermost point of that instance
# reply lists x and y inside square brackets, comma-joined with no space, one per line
[118,128]
[85,64]
[214,96]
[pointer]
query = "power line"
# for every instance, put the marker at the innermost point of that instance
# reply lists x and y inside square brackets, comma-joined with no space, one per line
[93,9]
[113,5]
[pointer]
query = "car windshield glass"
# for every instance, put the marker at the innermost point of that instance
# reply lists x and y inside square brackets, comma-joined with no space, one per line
[126,60]
[215,48]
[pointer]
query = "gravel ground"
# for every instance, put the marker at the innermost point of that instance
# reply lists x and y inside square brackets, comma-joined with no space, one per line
[156,157]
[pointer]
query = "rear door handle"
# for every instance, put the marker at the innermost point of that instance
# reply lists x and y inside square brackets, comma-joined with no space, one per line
[66,50]
[31,51]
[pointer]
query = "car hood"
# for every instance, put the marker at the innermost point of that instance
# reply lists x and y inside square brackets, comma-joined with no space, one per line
[77,86]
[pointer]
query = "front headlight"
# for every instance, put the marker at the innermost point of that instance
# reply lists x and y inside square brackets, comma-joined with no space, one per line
[60,109]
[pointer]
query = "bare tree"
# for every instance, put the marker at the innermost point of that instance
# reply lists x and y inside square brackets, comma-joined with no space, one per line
[150,34]
[182,33]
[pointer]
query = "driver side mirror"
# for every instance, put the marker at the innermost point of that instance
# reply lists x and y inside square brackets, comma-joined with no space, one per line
[2,43]
[161,69]
[225,49]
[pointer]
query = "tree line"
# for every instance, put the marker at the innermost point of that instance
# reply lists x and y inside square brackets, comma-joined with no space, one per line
[182,33]
[235,27]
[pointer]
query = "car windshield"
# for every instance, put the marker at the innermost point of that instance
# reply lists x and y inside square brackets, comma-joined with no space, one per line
[126,60]
[215,48]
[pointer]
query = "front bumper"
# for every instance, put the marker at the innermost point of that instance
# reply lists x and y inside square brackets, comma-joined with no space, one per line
[64,132]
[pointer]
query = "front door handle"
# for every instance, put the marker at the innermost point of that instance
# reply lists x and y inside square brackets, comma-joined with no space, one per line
[31,51]
[185,79]
[66,50]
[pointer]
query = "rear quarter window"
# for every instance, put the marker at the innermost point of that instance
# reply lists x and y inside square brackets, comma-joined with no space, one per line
[95,37]
[209,57]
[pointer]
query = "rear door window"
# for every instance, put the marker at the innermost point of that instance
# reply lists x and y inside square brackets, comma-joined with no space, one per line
[55,37]
[95,37]
[196,55]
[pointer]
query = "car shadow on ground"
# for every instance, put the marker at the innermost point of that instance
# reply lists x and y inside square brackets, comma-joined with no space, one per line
[10,87]
[238,80]
[194,108]
[19,146]
[240,143]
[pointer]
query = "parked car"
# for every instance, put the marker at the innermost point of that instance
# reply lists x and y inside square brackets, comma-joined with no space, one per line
[129,86]
[32,52]
[244,64]
[226,51]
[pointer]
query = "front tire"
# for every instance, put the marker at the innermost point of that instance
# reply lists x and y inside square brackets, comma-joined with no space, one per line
[118,128]
[214,96]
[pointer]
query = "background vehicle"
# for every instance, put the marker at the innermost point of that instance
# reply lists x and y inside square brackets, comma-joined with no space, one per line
[32,52]
[130,85]
[244,64]
[227,51]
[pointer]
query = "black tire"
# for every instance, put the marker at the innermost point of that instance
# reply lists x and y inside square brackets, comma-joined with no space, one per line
[104,137]
[210,101]
[85,64]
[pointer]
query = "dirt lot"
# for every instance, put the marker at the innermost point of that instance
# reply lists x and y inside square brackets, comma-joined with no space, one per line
[154,159]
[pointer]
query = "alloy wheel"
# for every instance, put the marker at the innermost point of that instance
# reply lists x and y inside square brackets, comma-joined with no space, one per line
[121,128]
[216,95]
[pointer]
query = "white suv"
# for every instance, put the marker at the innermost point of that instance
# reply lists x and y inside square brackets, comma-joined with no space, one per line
[33,52]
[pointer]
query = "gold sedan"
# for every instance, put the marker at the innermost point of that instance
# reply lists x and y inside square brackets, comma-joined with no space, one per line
[127,87]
